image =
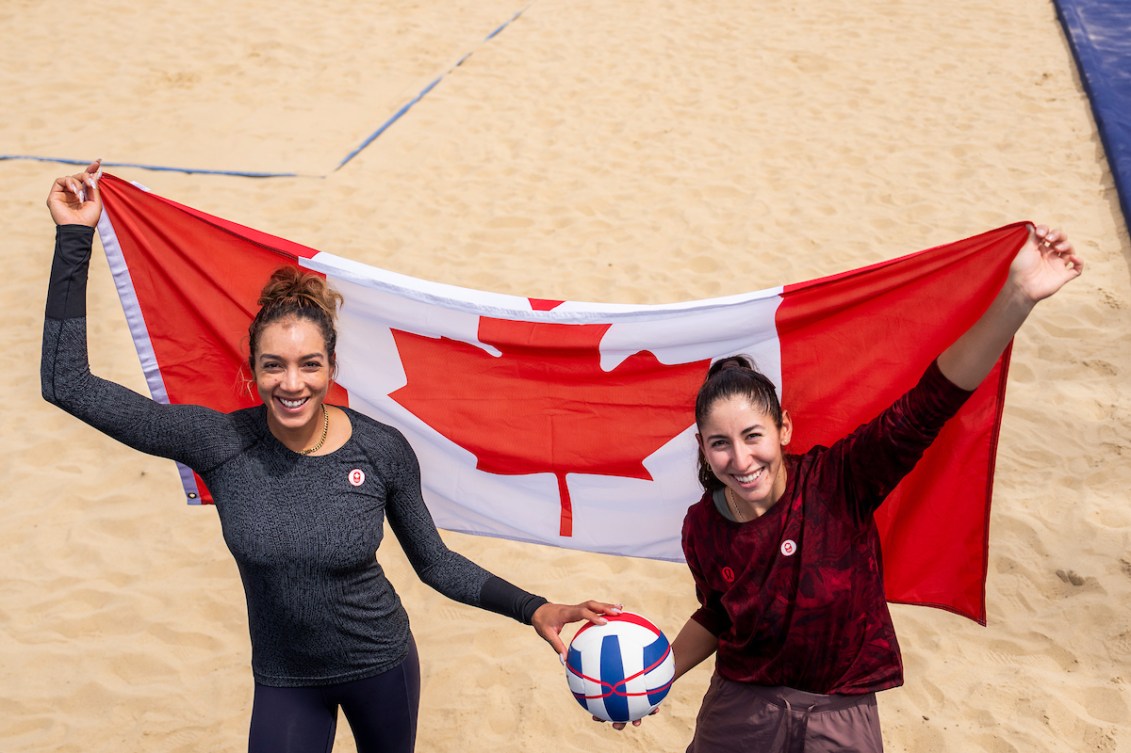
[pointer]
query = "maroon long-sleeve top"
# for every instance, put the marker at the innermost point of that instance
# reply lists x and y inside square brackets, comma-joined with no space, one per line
[796,596]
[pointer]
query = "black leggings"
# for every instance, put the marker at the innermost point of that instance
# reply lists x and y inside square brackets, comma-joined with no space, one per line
[381,712]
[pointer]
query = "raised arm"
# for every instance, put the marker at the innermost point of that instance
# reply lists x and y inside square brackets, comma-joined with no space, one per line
[1043,266]
[196,436]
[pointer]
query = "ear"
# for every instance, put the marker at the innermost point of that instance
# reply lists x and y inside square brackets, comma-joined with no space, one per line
[786,428]
[699,440]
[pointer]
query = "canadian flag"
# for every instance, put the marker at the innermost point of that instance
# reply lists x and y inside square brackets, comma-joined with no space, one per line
[571,424]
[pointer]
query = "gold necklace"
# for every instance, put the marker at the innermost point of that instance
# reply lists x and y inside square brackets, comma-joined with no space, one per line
[325,431]
[733,505]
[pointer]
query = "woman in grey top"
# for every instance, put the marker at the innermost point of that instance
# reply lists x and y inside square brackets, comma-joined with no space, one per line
[302,489]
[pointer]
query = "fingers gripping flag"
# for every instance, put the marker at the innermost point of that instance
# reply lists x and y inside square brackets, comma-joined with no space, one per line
[571,423]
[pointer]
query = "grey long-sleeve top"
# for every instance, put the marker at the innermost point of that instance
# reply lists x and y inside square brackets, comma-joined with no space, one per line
[303,530]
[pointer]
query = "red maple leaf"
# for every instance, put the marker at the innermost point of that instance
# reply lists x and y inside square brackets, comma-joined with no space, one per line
[545,404]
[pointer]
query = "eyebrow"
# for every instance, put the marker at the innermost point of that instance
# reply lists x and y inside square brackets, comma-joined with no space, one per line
[308,356]
[747,430]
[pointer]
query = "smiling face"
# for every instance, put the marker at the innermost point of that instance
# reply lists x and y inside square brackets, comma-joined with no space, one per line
[292,374]
[744,449]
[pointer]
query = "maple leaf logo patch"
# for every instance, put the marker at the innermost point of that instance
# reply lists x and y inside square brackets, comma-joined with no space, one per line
[545,405]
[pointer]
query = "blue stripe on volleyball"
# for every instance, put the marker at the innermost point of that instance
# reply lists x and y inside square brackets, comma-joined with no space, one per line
[612,676]
[573,664]
[654,653]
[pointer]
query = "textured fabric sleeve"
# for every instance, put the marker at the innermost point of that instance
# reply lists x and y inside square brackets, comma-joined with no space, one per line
[198,437]
[448,572]
[66,291]
[871,461]
[710,614]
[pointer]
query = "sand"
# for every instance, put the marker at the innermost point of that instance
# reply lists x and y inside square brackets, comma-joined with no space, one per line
[634,152]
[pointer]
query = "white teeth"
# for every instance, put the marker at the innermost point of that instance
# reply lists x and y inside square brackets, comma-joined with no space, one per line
[291,403]
[748,479]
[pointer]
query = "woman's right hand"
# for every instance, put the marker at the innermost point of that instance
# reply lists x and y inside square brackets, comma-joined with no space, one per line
[74,200]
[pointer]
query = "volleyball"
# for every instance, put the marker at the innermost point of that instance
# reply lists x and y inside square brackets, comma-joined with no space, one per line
[622,670]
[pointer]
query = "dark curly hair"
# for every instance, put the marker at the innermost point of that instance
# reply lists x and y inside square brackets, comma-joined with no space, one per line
[291,292]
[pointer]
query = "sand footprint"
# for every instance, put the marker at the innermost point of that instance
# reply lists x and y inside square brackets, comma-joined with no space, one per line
[1070,576]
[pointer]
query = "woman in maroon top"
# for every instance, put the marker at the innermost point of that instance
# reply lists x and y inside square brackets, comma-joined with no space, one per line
[784,550]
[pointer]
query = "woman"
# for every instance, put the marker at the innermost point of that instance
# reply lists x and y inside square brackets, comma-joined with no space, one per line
[302,489]
[784,550]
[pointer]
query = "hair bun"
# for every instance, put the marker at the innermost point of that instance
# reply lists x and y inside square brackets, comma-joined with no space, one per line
[292,288]
[291,291]
[737,362]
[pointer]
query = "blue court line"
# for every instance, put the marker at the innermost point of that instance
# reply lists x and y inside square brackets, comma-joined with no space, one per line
[1099,33]
[404,109]
[385,126]
[255,174]
[159,168]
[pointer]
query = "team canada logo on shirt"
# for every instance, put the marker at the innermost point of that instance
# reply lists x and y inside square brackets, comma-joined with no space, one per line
[789,547]
[357,477]
[728,575]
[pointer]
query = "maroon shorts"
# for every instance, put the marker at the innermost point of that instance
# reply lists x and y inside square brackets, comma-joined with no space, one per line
[736,716]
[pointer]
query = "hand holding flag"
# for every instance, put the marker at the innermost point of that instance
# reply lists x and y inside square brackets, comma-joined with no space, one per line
[1045,264]
[75,200]
[1042,266]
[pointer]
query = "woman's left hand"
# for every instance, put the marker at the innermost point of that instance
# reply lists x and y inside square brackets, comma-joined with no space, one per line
[1045,264]
[550,618]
